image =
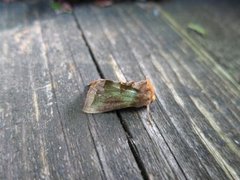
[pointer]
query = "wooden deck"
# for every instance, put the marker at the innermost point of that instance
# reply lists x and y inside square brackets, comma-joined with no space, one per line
[46,60]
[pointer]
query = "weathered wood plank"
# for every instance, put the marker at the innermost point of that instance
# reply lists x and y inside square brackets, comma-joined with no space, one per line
[45,64]
[228,92]
[142,54]
[204,57]
[115,39]
[150,150]
[12,86]
[200,74]
[80,145]
[221,126]
[219,75]
[219,94]
[34,144]
[121,58]
[72,68]
[26,144]
[220,19]
[8,12]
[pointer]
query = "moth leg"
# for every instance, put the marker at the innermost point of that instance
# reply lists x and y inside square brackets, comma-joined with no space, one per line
[148,115]
[95,81]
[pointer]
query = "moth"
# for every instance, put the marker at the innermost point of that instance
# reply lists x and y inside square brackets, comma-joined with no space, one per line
[106,95]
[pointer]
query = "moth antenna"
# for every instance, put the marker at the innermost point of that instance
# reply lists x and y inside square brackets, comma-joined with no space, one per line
[148,114]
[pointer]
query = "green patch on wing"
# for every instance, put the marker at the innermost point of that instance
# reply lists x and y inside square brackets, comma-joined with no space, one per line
[114,96]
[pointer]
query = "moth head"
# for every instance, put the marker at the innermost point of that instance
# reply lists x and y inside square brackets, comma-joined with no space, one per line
[151,90]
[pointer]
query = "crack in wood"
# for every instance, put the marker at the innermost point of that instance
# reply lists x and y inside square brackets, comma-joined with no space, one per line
[132,146]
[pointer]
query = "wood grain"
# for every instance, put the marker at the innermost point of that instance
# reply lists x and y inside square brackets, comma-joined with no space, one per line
[97,144]
[152,161]
[47,59]
[221,40]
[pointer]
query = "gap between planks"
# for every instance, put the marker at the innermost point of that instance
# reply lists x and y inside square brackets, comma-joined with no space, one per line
[127,132]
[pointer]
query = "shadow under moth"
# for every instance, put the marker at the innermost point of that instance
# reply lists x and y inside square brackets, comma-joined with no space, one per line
[107,95]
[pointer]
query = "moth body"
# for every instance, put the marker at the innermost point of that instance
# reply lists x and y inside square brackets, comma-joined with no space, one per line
[107,95]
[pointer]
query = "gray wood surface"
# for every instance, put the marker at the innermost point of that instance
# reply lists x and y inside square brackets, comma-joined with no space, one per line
[72,69]
[220,20]
[46,60]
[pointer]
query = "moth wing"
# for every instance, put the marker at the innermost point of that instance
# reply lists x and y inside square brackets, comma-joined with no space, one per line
[108,95]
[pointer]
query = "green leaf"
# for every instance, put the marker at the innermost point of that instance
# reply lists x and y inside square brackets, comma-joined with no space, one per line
[56,6]
[197,28]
